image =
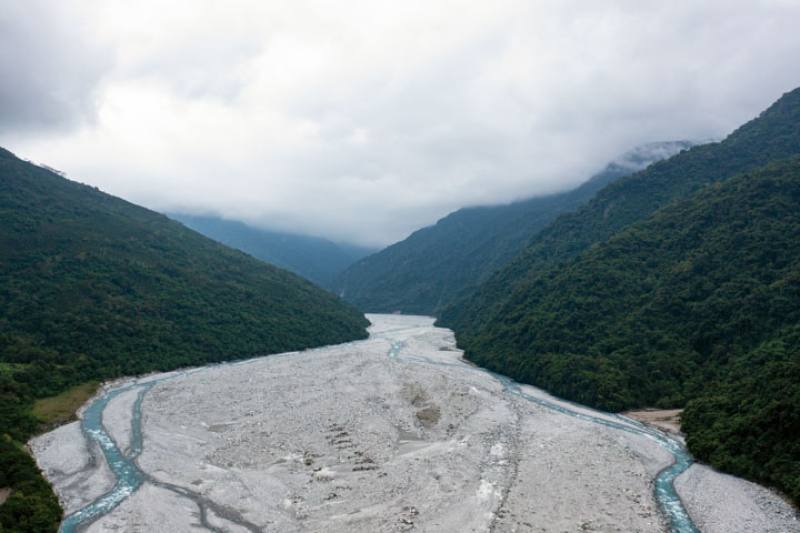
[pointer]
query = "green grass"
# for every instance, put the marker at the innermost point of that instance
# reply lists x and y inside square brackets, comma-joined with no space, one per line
[61,408]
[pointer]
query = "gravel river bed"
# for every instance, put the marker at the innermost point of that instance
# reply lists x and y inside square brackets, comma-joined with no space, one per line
[394,433]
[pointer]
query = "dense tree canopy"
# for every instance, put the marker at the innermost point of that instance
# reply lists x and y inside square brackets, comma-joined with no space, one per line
[316,259]
[773,135]
[678,285]
[683,306]
[93,287]
[747,422]
[437,264]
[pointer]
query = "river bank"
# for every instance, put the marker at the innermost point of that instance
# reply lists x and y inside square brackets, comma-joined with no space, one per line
[668,420]
[395,433]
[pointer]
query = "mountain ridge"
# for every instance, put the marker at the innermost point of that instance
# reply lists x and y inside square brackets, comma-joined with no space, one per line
[676,286]
[436,264]
[677,310]
[94,287]
[314,258]
[773,135]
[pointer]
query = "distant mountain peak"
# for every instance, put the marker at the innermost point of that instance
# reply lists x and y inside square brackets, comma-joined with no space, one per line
[644,155]
[433,266]
[314,258]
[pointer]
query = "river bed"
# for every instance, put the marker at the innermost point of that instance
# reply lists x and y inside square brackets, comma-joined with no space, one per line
[394,433]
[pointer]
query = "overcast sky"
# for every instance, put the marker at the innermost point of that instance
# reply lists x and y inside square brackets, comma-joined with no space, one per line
[364,120]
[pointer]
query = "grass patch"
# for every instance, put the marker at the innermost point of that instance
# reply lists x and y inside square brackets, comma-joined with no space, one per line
[61,408]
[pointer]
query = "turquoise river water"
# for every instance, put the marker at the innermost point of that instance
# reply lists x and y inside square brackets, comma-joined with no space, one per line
[130,477]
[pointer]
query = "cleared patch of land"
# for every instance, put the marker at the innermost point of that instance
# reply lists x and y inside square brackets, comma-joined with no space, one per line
[668,420]
[4,494]
[61,408]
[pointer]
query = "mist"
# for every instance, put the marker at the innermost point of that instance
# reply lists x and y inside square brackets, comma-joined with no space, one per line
[363,121]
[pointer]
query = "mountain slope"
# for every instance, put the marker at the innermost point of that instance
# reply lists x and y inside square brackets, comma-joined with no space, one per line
[747,422]
[318,260]
[434,265]
[93,287]
[773,135]
[701,292]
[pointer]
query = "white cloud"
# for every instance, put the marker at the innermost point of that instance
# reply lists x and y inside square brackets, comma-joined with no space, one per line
[50,65]
[362,121]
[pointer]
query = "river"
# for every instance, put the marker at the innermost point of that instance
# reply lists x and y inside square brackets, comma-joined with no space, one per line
[416,352]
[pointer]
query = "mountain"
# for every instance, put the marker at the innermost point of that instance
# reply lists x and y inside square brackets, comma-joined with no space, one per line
[702,295]
[434,265]
[318,260]
[773,135]
[675,286]
[93,287]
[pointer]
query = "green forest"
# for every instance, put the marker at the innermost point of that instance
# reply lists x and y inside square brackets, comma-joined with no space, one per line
[93,287]
[773,135]
[696,306]
[435,265]
[676,286]
[316,259]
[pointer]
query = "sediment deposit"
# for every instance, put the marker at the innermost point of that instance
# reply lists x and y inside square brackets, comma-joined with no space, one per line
[394,433]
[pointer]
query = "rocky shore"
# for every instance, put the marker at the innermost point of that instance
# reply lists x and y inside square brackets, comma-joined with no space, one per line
[394,433]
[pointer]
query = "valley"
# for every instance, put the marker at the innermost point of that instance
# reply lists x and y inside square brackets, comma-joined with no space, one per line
[400,267]
[393,433]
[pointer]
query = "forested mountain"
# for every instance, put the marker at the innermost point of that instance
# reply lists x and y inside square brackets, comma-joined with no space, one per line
[93,287]
[435,264]
[316,259]
[676,286]
[773,135]
[700,301]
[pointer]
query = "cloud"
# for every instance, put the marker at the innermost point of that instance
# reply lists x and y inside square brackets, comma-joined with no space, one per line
[364,120]
[49,67]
